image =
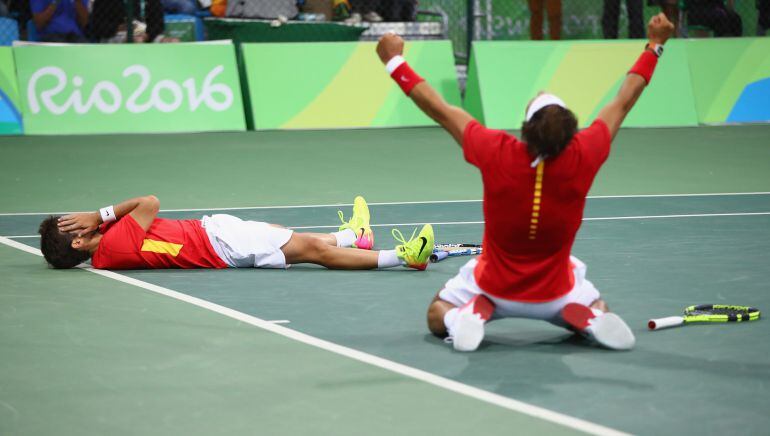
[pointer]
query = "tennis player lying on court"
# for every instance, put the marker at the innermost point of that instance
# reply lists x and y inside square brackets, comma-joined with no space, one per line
[129,235]
[534,195]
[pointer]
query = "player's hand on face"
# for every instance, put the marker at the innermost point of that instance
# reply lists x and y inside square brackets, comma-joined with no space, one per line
[80,223]
[659,29]
[390,45]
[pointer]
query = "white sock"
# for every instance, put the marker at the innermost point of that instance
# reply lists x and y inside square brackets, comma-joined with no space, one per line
[388,259]
[345,238]
[449,319]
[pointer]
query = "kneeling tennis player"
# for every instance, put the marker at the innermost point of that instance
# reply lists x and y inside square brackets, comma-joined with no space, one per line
[534,195]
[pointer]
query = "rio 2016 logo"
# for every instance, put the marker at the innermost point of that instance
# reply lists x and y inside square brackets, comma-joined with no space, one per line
[106,97]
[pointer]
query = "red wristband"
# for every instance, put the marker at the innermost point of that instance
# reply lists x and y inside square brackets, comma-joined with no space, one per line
[645,65]
[406,78]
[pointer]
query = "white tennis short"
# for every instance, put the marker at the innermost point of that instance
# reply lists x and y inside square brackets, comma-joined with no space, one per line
[247,244]
[462,287]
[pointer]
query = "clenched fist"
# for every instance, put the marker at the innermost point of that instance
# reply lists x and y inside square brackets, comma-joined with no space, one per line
[390,45]
[659,29]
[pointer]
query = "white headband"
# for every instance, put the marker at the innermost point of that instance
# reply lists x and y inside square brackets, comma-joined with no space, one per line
[542,101]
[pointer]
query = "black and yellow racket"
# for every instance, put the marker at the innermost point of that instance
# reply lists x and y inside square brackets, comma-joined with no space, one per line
[707,313]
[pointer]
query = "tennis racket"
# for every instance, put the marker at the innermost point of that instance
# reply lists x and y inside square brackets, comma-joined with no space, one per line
[707,313]
[454,246]
[442,251]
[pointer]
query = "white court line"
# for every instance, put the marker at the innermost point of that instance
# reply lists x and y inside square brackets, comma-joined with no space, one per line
[456,223]
[451,385]
[608,218]
[693,215]
[395,203]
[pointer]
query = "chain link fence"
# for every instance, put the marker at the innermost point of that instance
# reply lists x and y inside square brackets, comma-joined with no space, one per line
[461,21]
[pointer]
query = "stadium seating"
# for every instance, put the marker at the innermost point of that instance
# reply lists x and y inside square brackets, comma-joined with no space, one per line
[9,31]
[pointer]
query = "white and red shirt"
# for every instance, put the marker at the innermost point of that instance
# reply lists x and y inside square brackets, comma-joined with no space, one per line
[531,213]
[166,244]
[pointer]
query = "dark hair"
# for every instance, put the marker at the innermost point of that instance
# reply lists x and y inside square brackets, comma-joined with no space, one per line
[549,131]
[56,246]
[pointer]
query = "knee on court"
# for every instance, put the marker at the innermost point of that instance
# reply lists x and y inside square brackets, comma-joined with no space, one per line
[435,316]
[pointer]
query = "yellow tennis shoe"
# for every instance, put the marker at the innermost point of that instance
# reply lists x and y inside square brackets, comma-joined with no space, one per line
[416,251]
[359,223]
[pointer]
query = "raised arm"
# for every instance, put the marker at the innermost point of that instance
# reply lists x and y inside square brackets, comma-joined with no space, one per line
[142,209]
[44,15]
[452,118]
[659,29]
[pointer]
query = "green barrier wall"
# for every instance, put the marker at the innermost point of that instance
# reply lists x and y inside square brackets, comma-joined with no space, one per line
[504,76]
[733,86]
[340,85]
[10,110]
[129,88]
[691,84]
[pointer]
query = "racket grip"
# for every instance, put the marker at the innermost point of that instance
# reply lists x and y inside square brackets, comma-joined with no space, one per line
[438,256]
[662,323]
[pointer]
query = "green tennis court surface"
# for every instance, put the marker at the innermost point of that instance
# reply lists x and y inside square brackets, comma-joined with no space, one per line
[89,354]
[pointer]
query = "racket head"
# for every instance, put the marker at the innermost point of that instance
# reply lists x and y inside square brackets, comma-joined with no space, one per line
[720,313]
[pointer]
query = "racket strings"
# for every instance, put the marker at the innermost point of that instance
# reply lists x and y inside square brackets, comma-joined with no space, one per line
[713,309]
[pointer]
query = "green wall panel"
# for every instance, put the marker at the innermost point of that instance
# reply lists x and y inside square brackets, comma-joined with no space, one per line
[340,85]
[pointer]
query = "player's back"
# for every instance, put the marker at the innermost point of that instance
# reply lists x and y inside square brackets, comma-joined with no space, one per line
[166,244]
[532,209]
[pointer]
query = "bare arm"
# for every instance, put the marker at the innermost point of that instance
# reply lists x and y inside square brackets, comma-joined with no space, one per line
[451,118]
[142,209]
[81,14]
[144,212]
[42,18]
[659,30]
[616,111]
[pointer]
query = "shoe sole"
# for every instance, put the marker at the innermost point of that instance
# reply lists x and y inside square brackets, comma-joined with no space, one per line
[362,242]
[468,332]
[608,330]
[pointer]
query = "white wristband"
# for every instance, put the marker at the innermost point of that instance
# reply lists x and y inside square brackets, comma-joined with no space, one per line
[108,214]
[394,63]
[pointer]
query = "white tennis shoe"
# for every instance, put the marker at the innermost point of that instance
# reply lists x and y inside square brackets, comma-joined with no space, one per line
[607,329]
[467,331]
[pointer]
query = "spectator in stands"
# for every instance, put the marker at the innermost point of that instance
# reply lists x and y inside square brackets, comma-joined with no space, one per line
[108,21]
[536,20]
[611,14]
[670,8]
[3,9]
[763,18]
[218,8]
[715,15]
[398,10]
[188,7]
[365,10]
[21,10]
[60,20]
